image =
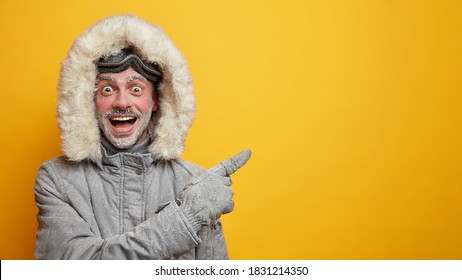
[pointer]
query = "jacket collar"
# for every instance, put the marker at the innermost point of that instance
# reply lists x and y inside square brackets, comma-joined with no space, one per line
[138,156]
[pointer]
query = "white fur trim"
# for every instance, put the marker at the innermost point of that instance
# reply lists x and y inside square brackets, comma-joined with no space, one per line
[76,109]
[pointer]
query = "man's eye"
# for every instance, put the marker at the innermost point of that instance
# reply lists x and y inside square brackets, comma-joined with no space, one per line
[107,89]
[137,89]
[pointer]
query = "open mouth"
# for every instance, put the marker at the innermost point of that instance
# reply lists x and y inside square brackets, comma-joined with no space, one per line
[122,121]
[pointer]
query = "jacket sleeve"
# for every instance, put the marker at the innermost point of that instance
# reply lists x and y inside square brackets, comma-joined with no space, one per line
[213,246]
[64,234]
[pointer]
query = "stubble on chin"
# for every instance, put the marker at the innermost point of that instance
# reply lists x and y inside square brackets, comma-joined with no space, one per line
[125,142]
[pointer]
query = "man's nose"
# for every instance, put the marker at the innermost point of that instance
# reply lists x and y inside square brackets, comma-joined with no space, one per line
[122,100]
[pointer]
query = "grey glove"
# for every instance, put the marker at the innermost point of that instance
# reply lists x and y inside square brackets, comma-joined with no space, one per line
[208,194]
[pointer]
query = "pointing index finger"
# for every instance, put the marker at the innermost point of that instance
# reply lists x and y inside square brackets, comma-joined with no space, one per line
[232,164]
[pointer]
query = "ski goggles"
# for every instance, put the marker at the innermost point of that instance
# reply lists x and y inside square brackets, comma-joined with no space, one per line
[127,58]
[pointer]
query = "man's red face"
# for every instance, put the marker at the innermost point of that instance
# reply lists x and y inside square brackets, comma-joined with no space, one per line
[124,105]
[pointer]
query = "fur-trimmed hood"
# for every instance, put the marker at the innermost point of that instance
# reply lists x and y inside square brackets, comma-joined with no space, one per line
[169,126]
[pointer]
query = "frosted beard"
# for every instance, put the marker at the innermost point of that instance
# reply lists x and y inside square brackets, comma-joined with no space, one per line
[106,121]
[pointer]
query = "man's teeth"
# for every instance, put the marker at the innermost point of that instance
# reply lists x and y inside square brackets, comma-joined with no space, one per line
[121,119]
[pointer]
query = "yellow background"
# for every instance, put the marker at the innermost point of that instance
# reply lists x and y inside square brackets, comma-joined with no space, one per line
[352,109]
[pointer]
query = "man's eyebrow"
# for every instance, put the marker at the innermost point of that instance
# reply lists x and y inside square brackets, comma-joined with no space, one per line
[104,78]
[137,77]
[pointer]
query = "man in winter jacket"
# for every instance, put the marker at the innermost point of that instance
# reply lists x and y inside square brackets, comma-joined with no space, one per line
[120,192]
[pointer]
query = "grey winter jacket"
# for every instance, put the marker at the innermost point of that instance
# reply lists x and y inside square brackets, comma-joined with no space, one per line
[122,208]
